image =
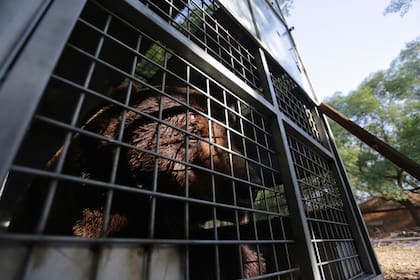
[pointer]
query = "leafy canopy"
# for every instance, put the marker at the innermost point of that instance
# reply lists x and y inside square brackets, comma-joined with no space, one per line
[286,6]
[398,6]
[387,104]
[394,6]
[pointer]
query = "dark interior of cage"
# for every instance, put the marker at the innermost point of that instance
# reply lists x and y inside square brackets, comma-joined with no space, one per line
[129,133]
[207,24]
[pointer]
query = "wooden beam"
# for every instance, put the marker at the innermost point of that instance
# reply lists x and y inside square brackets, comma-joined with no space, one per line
[408,165]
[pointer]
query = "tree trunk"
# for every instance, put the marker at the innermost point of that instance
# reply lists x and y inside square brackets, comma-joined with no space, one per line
[413,211]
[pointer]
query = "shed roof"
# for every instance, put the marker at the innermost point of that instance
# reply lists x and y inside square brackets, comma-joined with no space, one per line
[380,203]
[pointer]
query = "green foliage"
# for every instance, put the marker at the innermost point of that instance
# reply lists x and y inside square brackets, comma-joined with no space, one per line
[150,64]
[387,104]
[394,6]
[271,200]
[191,19]
[285,6]
[398,6]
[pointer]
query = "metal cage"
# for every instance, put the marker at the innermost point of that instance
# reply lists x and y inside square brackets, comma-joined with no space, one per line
[165,139]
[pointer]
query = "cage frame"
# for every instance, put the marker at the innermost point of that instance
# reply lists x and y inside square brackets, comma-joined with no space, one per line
[40,52]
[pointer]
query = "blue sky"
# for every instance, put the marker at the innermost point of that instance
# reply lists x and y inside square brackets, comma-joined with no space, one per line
[342,42]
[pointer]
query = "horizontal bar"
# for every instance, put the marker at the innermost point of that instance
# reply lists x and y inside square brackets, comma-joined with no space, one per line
[160,92]
[357,276]
[296,130]
[314,201]
[274,274]
[31,238]
[85,181]
[126,145]
[338,260]
[127,75]
[327,221]
[183,46]
[331,240]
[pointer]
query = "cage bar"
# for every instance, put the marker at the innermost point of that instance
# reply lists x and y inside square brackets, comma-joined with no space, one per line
[160,139]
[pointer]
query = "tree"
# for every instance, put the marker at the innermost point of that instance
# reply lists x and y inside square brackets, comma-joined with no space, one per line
[395,6]
[387,104]
[285,6]
[401,6]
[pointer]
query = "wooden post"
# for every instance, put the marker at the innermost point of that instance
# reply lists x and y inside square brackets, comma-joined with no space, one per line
[408,165]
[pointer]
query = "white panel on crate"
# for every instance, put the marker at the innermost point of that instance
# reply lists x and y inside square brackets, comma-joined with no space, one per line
[163,263]
[12,258]
[166,263]
[121,263]
[55,262]
[240,10]
[78,263]
[275,38]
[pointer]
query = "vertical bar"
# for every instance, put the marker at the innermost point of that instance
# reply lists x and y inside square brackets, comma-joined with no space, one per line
[52,189]
[213,183]
[253,218]
[283,232]
[232,64]
[170,4]
[156,164]
[204,26]
[285,161]
[187,183]
[117,149]
[219,49]
[273,246]
[36,62]
[357,226]
[251,9]
[251,69]
[297,214]
[188,18]
[228,135]
[251,192]
[241,60]
[96,249]
[42,222]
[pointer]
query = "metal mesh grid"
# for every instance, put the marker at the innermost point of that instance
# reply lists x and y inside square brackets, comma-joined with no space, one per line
[294,104]
[192,165]
[206,24]
[332,240]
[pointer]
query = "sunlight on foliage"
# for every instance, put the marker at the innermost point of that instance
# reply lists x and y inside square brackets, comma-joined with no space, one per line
[387,104]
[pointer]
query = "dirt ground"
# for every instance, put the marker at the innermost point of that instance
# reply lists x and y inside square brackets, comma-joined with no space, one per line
[399,260]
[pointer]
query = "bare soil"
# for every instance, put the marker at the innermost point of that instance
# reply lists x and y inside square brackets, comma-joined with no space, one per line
[399,260]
